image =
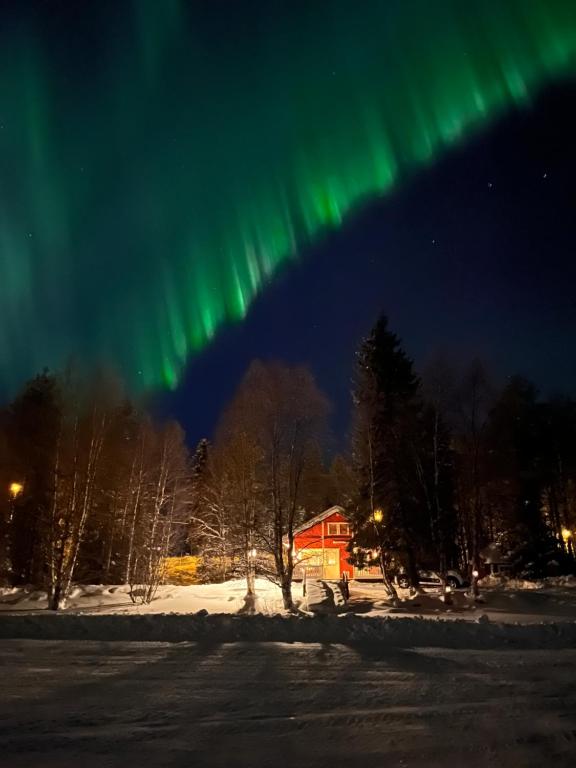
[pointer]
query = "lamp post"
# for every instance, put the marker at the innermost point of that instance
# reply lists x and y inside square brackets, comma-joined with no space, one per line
[474,584]
[377,518]
[567,539]
[15,489]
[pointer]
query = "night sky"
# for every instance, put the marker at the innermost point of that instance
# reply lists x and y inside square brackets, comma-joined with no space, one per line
[187,185]
[474,258]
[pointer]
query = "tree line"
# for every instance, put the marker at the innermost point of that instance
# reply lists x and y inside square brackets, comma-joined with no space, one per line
[96,492]
[445,466]
[93,489]
[439,467]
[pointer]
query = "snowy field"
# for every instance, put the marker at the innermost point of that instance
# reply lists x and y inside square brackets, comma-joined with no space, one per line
[525,602]
[214,598]
[102,705]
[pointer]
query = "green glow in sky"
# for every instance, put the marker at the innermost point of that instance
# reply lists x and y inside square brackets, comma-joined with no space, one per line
[160,160]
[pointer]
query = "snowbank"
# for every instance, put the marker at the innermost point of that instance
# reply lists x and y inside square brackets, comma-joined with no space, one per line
[345,629]
[504,582]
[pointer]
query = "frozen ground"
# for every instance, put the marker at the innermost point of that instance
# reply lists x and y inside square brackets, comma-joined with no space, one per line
[102,705]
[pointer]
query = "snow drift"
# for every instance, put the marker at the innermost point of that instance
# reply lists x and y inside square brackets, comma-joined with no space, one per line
[346,629]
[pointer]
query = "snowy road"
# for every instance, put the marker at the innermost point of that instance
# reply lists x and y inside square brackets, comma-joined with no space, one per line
[88,704]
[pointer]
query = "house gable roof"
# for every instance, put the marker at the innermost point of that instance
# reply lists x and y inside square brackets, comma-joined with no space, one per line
[335,510]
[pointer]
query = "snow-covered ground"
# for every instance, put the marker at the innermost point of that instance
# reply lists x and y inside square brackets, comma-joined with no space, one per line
[102,705]
[521,601]
[213,598]
[526,618]
[425,684]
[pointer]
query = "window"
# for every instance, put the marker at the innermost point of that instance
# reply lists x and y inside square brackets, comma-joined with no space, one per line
[338,529]
[311,557]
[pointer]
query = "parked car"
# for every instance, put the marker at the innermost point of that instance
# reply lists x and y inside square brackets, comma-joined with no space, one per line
[454,579]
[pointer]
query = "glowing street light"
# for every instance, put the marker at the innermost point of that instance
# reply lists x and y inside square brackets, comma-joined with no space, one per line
[15,489]
[378,515]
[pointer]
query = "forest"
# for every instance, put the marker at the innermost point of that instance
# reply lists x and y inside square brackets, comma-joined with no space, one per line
[439,465]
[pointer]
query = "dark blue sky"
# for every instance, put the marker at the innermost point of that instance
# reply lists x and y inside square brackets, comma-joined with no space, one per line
[473,257]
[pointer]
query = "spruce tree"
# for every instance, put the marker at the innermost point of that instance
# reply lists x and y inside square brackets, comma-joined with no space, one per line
[386,408]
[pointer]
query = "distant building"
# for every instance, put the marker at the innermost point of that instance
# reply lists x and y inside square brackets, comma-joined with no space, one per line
[320,546]
[497,560]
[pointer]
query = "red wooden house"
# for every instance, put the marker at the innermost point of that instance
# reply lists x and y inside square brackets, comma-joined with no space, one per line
[320,548]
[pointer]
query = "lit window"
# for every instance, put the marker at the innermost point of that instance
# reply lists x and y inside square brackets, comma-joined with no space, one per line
[332,529]
[344,529]
[338,529]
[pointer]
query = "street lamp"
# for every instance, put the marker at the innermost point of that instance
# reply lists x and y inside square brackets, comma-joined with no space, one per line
[15,489]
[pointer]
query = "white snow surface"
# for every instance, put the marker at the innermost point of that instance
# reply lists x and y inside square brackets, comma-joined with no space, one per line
[527,618]
[227,597]
[509,601]
[221,705]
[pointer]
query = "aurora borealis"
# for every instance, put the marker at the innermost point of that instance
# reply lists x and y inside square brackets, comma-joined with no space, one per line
[159,161]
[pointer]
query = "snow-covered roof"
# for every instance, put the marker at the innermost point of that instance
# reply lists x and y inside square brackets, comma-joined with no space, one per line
[318,518]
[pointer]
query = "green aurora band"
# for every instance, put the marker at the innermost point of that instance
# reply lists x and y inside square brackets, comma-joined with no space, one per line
[160,159]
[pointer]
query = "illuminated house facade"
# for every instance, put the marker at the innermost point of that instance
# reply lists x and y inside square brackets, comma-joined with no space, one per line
[320,548]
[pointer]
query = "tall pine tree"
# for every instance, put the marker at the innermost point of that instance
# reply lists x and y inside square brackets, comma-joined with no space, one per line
[386,415]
